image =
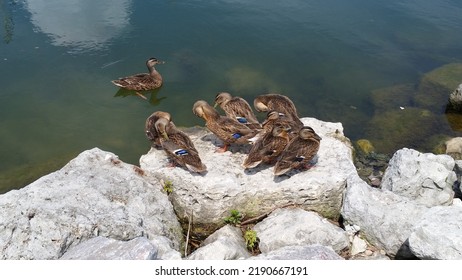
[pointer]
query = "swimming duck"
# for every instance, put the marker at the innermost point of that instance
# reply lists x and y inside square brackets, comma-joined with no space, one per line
[179,146]
[237,108]
[150,129]
[279,103]
[298,152]
[268,148]
[143,81]
[225,128]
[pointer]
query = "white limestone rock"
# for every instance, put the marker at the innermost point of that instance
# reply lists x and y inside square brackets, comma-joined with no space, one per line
[309,252]
[427,179]
[294,226]
[385,218]
[228,186]
[102,248]
[439,234]
[358,246]
[95,194]
[226,243]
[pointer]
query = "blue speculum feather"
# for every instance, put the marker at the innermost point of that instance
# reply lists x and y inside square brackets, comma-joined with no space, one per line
[181,152]
[241,119]
[237,135]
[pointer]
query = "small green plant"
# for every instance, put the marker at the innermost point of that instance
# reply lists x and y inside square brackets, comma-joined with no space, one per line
[251,239]
[167,186]
[234,217]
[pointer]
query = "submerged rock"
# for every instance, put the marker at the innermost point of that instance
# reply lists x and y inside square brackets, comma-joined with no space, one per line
[436,86]
[393,130]
[227,186]
[393,98]
[95,194]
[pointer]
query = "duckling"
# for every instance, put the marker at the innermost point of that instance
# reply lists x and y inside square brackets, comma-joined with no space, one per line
[178,146]
[279,103]
[268,148]
[150,129]
[143,81]
[298,152]
[237,108]
[226,129]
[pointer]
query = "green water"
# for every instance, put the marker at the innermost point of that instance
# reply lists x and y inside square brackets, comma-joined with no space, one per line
[57,59]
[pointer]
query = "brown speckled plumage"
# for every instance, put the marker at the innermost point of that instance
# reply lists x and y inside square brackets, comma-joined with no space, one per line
[299,152]
[143,81]
[226,129]
[179,146]
[237,108]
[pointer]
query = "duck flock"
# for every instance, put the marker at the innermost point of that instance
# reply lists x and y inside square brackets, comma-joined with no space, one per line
[280,140]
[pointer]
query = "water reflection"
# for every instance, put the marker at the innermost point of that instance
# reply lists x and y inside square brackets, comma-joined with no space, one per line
[80,24]
[153,99]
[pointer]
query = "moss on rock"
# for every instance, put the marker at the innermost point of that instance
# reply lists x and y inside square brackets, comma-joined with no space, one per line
[391,98]
[392,130]
[436,86]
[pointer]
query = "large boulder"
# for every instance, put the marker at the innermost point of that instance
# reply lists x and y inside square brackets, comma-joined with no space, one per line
[294,226]
[306,252]
[425,178]
[102,248]
[226,243]
[227,186]
[386,220]
[95,194]
[438,235]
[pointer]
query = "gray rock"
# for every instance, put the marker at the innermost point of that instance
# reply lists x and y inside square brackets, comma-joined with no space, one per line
[454,148]
[228,186]
[455,99]
[102,248]
[386,219]
[226,243]
[427,179]
[95,194]
[458,187]
[294,226]
[439,234]
[310,252]
[358,246]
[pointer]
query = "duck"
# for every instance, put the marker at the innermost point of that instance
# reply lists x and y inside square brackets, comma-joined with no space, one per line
[150,129]
[143,81]
[274,118]
[268,148]
[225,128]
[237,108]
[178,146]
[298,152]
[279,103]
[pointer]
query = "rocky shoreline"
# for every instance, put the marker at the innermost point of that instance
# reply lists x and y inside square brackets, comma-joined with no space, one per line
[98,207]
